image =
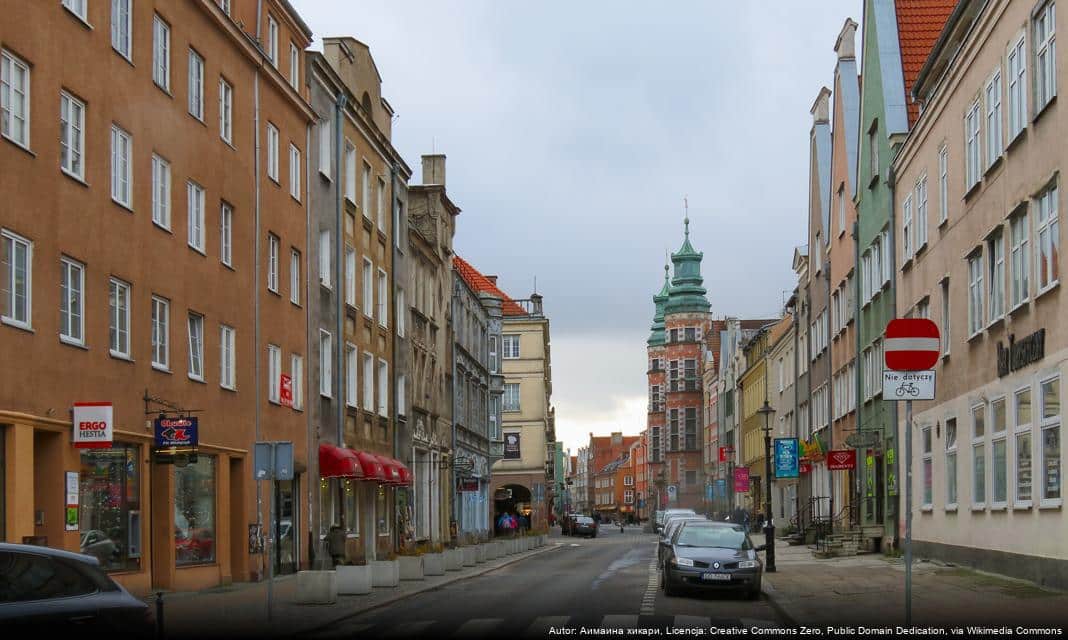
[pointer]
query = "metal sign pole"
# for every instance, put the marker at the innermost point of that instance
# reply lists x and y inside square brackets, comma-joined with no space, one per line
[270,539]
[908,513]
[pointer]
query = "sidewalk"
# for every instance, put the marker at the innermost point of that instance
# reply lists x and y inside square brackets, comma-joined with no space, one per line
[870,590]
[240,610]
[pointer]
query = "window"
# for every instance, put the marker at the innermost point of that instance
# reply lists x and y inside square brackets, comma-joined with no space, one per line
[1024,453]
[196,85]
[928,475]
[194,511]
[109,506]
[511,346]
[979,455]
[383,388]
[691,429]
[120,166]
[943,184]
[325,249]
[196,347]
[873,150]
[402,390]
[296,368]
[14,99]
[975,293]
[294,277]
[227,357]
[382,513]
[654,399]
[272,40]
[1045,56]
[673,430]
[923,309]
[841,210]
[971,146]
[887,263]
[1017,88]
[161,356]
[350,276]
[945,327]
[226,111]
[326,146]
[907,229]
[402,314]
[494,355]
[993,118]
[365,202]
[119,318]
[161,192]
[195,196]
[294,66]
[511,396]
[226,225]
[368,381]
[350,375]
[368,288]
[951,463]
[71,312]
[121,31]
[383,299]
[294,172]
[272,152]
[326,358]
[272,262]
[996,265]
[1021,259]
[1050,441]
[350,172]
[161,53]
[71,135]
[77,7]
[381,204]
[1049,243]
[921,213]
[999,453]
[398,215]
[225,4]
[877,261]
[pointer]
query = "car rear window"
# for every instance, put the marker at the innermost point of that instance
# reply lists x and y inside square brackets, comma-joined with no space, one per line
[30,576]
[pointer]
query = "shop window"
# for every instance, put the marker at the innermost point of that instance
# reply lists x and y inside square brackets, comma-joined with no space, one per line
[110,507]
[350,498]
[194,512]
[382,511]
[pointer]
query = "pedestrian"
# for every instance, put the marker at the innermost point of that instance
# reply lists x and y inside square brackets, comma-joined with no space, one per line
[513,524]
[621,525]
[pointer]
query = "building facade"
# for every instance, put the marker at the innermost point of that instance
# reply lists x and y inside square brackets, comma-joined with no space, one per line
[780,367]
[580,489]
[982,262]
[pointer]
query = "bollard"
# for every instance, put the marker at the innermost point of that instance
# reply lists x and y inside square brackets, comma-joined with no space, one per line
[159,615]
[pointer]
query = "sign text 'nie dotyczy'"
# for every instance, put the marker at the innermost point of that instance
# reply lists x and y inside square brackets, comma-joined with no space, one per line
[92,425]
[908,385]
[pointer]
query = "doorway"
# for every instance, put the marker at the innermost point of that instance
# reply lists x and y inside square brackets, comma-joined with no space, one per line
[880,490]
[286,526]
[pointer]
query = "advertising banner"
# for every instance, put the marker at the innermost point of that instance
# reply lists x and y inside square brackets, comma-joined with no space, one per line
[842,460]
[741,480]
[286,390]
[92,425]
[786,458]
[72,501]
[511,446]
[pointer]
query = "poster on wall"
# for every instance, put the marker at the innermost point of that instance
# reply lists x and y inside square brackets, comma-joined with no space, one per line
[72,501]
[92,425]
[741,480]
[786,458]
[511,446]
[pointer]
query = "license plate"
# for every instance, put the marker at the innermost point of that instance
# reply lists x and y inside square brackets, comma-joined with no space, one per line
[715,576]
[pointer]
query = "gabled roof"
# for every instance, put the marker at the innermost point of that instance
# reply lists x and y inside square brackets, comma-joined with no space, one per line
[919,23]
[481,284]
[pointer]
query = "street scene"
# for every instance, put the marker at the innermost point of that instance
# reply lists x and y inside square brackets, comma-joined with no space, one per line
[475,318]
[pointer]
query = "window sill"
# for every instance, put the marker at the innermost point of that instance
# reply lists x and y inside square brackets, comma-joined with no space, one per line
[1020,307]
[1051,287]
[321,395]
[124,57]
[81,20]
[927,508]
[1043,109]
[907,264]
[199,119]
[228,266]
[295,198]
[274,291]
[951,508]
[166,90]
[1000,506]
[123,205]
[161,368]
[200,251]
[196,379]
[1050,504]
[1020,135]
[79,179]
[326,285]
[121,356]
[226,388]
[979,507]
[977,334]
[295,303]
[20,146]
[24,326]
[993,166]
[162,228]
[995,322]
[274,180]
[1022,506]
[971,190]
[325,176]
[943,222]
[70,342]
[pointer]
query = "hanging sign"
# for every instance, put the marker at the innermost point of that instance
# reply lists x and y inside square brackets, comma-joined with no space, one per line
[805,467]
[511,446]
[92,425]
[175,437]
[786,458]
[469,485]
[72,501]
[741,480]
[285,386]
[842,460]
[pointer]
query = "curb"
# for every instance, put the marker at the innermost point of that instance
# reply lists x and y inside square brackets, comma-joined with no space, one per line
[551,546]
[772,595]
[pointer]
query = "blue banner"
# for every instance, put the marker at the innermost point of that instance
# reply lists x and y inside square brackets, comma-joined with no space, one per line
[721,487]
[786,460]
[179,433]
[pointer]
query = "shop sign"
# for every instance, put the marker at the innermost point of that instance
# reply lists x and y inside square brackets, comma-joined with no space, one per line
[741,480]
[805,467]
[285,385]
[92,425]
[175,437]
[469,484]
[511,446]
[842,460]
[1020,354]
[786,458]
[72,501]
[862,439]
[724,452]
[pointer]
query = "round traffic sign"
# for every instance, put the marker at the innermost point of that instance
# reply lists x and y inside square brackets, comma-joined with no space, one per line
[912,344]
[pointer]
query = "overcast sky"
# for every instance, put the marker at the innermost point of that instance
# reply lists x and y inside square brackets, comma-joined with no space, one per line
[573,130]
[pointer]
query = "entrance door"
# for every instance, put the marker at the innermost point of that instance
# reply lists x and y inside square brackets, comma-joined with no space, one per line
[880,490]
[286,526]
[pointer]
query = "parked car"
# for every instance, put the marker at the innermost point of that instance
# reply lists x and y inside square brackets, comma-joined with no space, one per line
[585,526]
[44,590]
[662,516]
[711,556]
[670,526]
[567,523]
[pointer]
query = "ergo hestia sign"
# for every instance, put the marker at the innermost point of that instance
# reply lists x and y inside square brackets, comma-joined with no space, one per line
[92,425]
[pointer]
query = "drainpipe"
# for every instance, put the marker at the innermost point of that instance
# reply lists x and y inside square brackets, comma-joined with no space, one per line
[891,182]
[339,204]
[797,409]
[858,373]
[256,288]
[314,517]
[452,393]
[396,314]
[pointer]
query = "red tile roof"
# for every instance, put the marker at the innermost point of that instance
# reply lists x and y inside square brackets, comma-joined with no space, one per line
[480,283]
[919,23]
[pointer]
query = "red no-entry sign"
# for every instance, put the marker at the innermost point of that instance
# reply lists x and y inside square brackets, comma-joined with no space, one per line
[912,344]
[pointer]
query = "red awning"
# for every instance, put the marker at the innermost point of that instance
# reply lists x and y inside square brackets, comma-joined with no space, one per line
[406,475]
[373,468]
[338,462]
[396,472]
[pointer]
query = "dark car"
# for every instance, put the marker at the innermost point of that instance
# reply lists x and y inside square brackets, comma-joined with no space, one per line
[584,526]
[49,589]
[567,524]
[670,526]
[712,556]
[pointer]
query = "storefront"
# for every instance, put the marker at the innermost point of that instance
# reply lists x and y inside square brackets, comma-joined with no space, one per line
[473,492]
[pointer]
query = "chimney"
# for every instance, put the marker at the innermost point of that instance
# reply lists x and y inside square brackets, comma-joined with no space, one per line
[821,108]
[434,169]
[492,279]
[845,47]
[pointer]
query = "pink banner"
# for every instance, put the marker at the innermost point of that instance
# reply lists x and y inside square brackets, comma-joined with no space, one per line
[741,480]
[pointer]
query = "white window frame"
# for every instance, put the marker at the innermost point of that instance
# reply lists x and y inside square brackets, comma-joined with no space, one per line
[294,172]
[365,200]
[921,213]
[383,298]
[326,146]
[119,318]
[368,287]
[226,233]
[272,151]
[351,381]
[227,357]
[907,233]
[274,374]
[952,452]
[296,372]
[1022,429]
[992,91]
[1018,88]
[226,111]
[841,210]
[943,184]
[350,171]
[161,192]
[887,263]
[383,388]
[1020,259]
[77,7]
[161,338]
[1047,224]
[72,293]
[294,66]
[1044,425]
[196,85]
[972,133]
[997,437]
[368,381]
[926,468]
[979,448]
[946,317]
[9,65]
[122,28]
[326,250]
[380,204]
[274,248]
[402,390]
[72,136]
[511,346]
[512,386]
[326,364]
[976,292]
[196,346]
[195,209]
[161,53]
[294,276]
[995,246]
[121,166]
[350,276]
[1045,45]
[272,40]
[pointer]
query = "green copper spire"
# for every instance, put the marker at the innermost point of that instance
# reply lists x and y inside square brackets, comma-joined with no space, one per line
[687,292]
[657,337]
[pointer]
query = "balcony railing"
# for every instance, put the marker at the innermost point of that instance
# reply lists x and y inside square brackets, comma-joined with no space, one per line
[532,307]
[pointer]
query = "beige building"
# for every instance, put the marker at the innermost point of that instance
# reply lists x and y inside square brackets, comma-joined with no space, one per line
[977,222]
[151,171]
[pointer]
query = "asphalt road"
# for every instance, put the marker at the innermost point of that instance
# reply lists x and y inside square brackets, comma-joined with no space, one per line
[604,582]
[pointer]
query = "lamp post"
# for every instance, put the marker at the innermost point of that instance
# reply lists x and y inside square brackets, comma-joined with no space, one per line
[769,529]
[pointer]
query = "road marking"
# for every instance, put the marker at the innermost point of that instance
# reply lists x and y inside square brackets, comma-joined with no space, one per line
[540,627]
[619,622]
[408,629]
[691,622]
[649,598]
[477,627]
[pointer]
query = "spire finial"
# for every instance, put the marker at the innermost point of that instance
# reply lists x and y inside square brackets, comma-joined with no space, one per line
[686,220]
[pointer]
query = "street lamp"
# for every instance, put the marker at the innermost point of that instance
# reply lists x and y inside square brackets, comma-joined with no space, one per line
[769,529]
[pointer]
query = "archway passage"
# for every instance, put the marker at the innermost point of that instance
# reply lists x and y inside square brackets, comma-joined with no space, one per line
[514,500]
